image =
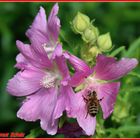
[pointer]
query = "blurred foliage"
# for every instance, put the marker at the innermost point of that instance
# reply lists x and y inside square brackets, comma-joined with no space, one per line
[120,19]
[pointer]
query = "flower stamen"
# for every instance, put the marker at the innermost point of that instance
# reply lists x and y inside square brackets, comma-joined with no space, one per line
[48,81]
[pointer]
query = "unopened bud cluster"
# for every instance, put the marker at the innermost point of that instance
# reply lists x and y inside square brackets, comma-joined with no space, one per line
[95,43]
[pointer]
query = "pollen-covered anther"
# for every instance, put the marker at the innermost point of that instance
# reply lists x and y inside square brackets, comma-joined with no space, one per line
[48,81]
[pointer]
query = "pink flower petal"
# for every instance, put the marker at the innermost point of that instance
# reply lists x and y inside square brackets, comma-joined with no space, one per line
[79,111]
[88,124]
[40,45]
[58,51]
[47,126]
[78,64]
[39,24]
[77,79]
[39,36]
[33,57]
[41,106]
[43,35]
[53,25]
[25,83]
[108,93]
[22,62]
[61,62]
[65,99]
[108,68]
[81,68]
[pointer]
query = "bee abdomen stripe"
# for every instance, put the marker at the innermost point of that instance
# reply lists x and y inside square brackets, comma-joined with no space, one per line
[93,106]
[93,110]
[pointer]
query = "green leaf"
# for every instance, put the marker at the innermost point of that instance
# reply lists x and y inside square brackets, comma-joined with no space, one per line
[64,37]
[35,133]
[62,120]
[117,51]
[132,89]
[133,48]
[134,74]
[129,128]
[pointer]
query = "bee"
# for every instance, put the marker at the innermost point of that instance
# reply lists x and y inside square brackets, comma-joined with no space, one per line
[92,104]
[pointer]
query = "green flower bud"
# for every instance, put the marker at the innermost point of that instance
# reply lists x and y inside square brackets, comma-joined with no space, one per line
[94,51]
[80,22]
[90,34]
[104,42]
[89,54]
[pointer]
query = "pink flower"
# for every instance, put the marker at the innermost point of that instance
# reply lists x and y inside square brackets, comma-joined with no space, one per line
[45,81]
[99,79]
[43,73]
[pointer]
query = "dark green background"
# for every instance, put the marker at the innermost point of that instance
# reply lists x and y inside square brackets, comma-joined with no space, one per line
[122,20]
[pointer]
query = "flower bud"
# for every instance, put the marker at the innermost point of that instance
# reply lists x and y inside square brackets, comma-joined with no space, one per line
[80,22]
[104,42]
[89,54]
[94,51]
[90,34]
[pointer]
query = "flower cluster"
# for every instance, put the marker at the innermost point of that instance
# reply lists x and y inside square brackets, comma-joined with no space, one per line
[95,43]
[45,80]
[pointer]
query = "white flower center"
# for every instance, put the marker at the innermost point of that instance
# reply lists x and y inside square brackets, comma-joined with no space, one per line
[51,79]
[48,81]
